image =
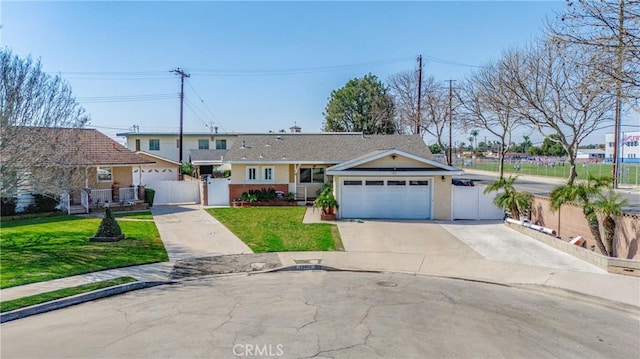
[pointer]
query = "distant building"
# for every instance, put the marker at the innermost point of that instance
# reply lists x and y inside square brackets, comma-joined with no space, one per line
[628,150]
[590,155]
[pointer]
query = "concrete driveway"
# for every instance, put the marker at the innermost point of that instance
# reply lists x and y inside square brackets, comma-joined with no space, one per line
[412,237]
[188,231]
[484,240]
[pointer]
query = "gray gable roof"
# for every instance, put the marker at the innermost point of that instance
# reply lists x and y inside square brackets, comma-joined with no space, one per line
[319,147]
[207,155]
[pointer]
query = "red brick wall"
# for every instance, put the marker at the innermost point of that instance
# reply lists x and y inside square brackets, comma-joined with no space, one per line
[235,190]
[569,221]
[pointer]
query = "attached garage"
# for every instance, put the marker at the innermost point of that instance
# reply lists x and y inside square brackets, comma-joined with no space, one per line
[393,184]
[391,197]
[162,170]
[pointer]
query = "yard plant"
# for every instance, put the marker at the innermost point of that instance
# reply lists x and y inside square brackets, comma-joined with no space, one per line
[277,229]
[41,249]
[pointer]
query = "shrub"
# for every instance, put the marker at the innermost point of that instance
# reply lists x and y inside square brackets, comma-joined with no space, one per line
[43,203]
[109,227]
[8,206]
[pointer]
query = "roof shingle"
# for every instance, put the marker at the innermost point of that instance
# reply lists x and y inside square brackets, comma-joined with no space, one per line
[322,147]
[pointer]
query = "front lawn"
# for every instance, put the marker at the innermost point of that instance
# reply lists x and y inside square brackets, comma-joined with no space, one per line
[277,229]
[143,215]
[40,249]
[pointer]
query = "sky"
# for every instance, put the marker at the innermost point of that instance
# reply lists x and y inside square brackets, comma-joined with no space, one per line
[255,66]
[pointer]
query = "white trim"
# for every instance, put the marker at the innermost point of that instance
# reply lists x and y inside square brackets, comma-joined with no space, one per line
[377,155]
[393,173]
[143,153]
[264,174]
[286,162]
[110,174]
[256,174]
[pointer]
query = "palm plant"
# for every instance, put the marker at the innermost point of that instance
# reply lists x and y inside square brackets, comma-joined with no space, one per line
[515,201]
[609,205]
[583,193]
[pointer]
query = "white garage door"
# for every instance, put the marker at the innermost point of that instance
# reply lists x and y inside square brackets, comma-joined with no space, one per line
[398,198]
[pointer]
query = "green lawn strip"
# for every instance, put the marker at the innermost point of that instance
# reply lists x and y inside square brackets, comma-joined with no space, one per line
[134,215]
[594,169]
[42,249]
[277,229]
[14,304]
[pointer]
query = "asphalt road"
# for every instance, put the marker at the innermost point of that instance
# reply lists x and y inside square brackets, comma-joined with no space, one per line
[329,315]
[542,187]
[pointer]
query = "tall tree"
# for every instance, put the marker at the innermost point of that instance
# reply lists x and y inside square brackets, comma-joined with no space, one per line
[474,133]
[488,103]
[403,87]
[362,105]
[31,99]
[556,93]
[435,109]
[611,30]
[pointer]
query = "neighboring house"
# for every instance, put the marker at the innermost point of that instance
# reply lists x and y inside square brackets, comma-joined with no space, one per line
[205,162]
[590,155]
[161,170]
[374,176]
[96,168]
[167,144]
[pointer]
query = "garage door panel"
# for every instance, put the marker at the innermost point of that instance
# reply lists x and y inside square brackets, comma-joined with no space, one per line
[387,201]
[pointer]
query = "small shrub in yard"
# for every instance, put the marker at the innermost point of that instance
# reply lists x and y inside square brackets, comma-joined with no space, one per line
[109,229]
[8,206]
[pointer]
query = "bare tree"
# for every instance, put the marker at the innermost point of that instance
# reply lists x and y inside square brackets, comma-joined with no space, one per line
[488,103]
[608,28]
[30,101]
[435,113]
[556,92]
[403,87]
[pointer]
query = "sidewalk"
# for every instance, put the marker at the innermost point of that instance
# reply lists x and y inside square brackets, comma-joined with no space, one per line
[187,232]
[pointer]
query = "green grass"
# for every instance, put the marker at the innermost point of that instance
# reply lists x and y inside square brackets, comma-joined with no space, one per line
[134,215]
[629,176]
[278,229]
[40,249]
[14,304]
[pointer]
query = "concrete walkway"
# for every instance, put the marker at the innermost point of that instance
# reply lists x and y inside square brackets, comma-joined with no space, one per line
[188,232]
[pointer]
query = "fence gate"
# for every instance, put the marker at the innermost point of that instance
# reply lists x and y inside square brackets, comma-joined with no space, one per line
[176,192]
[469,202]
[218,191]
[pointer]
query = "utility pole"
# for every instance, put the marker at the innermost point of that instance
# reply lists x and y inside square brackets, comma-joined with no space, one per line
[616,132]
[450,120]
[182,74]
[419,115]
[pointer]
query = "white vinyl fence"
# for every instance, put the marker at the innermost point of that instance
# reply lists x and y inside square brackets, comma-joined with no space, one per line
[176,192]
[469,202]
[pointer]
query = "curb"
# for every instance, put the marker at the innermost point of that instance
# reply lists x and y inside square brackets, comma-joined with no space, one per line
[76,299]
[587,298]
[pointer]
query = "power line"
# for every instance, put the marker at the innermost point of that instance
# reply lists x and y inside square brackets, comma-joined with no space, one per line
[205,105]
[127,98]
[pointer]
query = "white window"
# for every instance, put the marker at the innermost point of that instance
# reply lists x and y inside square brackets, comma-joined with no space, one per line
[252,173]
[105,174]
[267,173]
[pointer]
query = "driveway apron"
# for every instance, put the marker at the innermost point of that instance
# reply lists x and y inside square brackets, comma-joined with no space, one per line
[188,231]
